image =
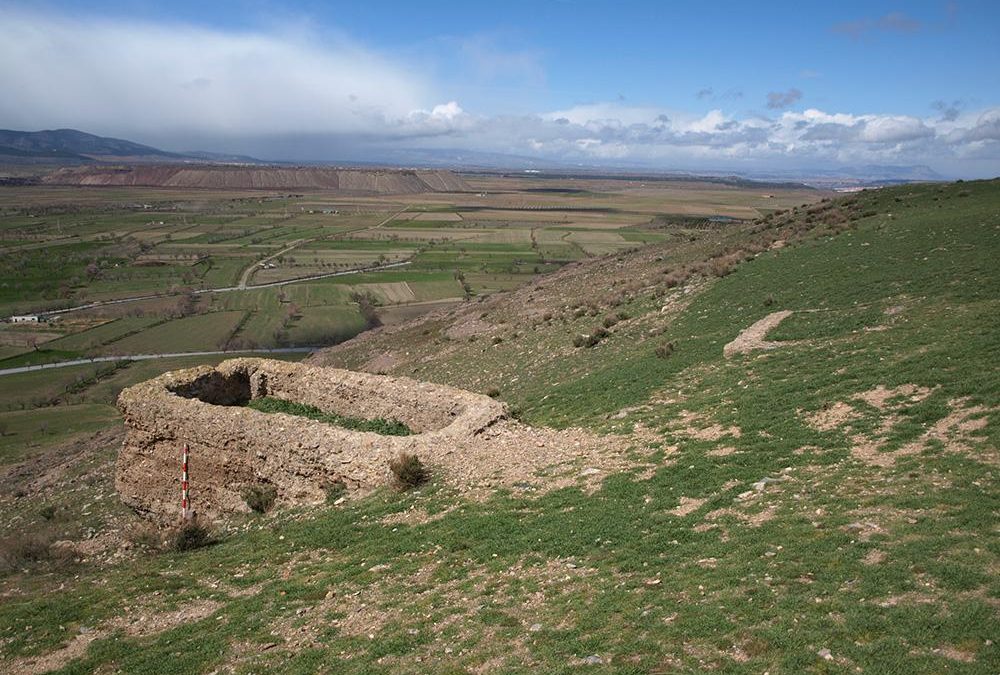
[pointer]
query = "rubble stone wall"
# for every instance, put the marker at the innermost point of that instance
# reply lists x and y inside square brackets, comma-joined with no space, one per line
[233,447]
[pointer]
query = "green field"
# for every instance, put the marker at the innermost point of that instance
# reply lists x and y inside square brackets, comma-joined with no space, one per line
[22,431]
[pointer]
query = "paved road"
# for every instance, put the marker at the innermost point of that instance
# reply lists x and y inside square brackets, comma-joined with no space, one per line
[148,357]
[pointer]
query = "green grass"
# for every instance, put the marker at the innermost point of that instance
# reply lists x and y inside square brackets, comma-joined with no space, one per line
[22,431]
[105,333]
[378,425]
[203,332]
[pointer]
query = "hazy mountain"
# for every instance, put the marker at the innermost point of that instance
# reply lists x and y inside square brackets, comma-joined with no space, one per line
[71,144]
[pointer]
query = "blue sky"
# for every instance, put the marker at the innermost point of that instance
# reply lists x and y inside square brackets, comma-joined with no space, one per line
[746,86]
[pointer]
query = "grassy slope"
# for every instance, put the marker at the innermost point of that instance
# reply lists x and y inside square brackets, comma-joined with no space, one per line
[891,569]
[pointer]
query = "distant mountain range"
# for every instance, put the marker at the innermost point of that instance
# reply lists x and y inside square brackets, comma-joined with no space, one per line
[71,147]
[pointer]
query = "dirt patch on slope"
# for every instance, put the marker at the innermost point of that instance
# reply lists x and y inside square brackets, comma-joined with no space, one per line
[698,427]
[881,395]
[834,417]
[956,432]
[754,337]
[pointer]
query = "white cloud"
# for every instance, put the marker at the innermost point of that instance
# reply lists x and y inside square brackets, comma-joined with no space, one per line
[288,94]
[448,111]
[128,77]
[893,129]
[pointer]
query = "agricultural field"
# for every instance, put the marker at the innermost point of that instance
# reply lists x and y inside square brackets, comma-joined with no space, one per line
[210,270]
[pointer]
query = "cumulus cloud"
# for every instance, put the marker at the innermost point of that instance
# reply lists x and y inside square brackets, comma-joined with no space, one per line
[782,99]
[612,131]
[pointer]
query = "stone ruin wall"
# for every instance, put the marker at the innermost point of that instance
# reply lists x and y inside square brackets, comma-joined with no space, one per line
[233,447]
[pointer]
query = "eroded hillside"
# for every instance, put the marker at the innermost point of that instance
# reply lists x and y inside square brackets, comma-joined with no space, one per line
[346,181]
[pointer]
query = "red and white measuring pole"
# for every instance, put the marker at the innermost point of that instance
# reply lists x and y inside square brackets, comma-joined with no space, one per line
[185,499]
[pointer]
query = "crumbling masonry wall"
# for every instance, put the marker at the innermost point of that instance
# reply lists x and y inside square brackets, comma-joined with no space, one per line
[233,447]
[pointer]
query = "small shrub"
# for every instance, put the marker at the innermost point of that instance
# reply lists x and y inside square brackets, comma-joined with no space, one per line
[260,498]
[720,267]
[409,471]
[335,491]
[673,279]
[190,535]
[664,350]
[144,535]
[769,300]
[609,321]
[493,392]
[591,340]
[20,550]
[47,512]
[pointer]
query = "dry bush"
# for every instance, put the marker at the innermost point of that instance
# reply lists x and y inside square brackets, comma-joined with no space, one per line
[145,535]
[664,350]
[675,278]
[190,535]
[335,490]
[409,471]
[260,498]
[723,265]
[20,550]
[592,339]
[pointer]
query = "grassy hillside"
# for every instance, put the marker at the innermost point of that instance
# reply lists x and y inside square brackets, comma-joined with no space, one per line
[827,504]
